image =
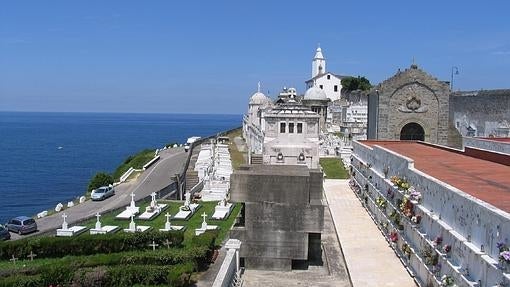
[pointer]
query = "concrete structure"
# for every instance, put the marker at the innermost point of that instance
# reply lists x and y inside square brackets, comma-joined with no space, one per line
[354,120]
[317,101]
[291,135]
[282,215]
[330,83]
[411,105]
[229,273]
[444,211]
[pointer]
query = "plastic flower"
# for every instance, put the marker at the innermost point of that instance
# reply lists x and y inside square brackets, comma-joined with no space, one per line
[505,255]
[447,248]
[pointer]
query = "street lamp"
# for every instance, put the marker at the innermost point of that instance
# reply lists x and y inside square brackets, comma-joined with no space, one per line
[455,71]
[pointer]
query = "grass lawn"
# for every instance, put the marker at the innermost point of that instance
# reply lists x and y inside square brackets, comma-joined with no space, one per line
[333,168]
[136,161]
[238,158]
[159,221]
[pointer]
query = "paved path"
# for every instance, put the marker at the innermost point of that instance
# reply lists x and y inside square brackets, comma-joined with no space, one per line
[370,260]
[155,178]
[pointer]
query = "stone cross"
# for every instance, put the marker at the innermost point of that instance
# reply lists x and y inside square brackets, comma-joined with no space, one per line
[154,245]
[167,224]
[204,224]
[98,223]
[132,225]
[132,205]
[167,244]
[64,224]
[31,256]
[188,198]
[153,201]
[13,259]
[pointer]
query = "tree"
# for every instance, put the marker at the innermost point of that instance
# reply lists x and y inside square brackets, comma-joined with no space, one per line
[100,179]
[352,84]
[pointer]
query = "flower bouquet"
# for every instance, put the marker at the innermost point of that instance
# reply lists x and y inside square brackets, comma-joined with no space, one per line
[437,241]
[446,249]
[416,219]
[393,236]
[415,195]
[447,281]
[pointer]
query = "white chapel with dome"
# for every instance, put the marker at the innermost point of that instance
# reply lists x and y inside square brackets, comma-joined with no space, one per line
[328,82]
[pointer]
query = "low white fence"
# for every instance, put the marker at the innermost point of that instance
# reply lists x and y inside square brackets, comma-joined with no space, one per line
[155,159]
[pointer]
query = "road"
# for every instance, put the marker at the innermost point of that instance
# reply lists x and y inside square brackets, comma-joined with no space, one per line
[155,178]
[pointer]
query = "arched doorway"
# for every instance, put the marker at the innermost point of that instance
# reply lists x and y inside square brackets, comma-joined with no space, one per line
[412,131]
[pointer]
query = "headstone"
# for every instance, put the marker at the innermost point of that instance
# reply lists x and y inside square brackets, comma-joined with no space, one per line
[154,245]
[154,204]
[31,255]
[98,223]
[132,205]
[13,259]
[168,226]
[204,224]
[132,225]
[64,224]
[188,198]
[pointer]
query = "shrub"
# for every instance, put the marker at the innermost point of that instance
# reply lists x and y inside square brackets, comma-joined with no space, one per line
[179,275]
[21,281]
[136,274]
[54,275]
[100,179]
[87,244]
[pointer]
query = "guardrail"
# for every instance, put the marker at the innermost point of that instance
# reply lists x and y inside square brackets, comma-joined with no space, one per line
[155,159]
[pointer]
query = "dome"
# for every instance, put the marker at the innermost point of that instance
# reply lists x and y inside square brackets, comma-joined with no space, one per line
[259,99]
[314,93]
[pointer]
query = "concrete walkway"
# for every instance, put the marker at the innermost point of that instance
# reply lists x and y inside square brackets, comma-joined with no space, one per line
[370,260]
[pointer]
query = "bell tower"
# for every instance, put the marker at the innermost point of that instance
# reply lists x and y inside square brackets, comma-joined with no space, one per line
[318,63]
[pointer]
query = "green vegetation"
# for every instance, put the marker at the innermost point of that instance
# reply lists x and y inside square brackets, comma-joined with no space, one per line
[100,179]
[120,259]
[136,161]
[353,84]
[333,168]
[238,158]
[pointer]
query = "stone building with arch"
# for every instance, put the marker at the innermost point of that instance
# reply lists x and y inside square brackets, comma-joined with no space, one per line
[411,105]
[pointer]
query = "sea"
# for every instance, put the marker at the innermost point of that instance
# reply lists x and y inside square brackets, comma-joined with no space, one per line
[47,158]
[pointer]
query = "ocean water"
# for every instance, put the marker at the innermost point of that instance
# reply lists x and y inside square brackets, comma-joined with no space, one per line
[36,174]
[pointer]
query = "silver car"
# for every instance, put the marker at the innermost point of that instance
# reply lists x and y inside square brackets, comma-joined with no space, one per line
[21,225]
[102,193]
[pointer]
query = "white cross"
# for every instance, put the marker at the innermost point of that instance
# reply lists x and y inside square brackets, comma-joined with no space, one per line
[31,256]
[167,244]
[64,216]
[154,245]
[98,215]
[132,196]
[13,259]
[204,216]
[153,195]
[132,217]
[167,215]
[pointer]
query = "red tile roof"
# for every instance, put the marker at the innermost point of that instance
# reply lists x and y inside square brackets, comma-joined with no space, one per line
[483,179]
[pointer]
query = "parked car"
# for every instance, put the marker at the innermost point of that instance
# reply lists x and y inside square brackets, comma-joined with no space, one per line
[4,233]
[102,193]
[22,225]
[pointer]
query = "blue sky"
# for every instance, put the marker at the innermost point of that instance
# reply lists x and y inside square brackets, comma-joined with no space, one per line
[207,56]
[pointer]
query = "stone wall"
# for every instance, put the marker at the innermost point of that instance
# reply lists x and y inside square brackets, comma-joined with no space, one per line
[470,226]
[487,144]
[282,207]
[482,110]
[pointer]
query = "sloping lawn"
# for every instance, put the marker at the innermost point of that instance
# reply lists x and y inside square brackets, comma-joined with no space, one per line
[333,168]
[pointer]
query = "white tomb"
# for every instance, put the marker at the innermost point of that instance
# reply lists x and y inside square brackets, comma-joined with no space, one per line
[136,228]
[222,210]
[130,210]
[153,209]
[170,227]
[69,231]
[188,209]
[205,226]
[103,229]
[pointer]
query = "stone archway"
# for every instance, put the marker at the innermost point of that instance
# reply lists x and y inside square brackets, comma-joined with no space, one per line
[412,131]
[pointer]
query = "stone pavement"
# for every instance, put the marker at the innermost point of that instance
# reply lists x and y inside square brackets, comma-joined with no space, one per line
[370,260]
[155,178]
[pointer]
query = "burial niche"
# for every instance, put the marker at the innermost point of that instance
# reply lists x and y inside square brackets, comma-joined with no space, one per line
[412,131]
